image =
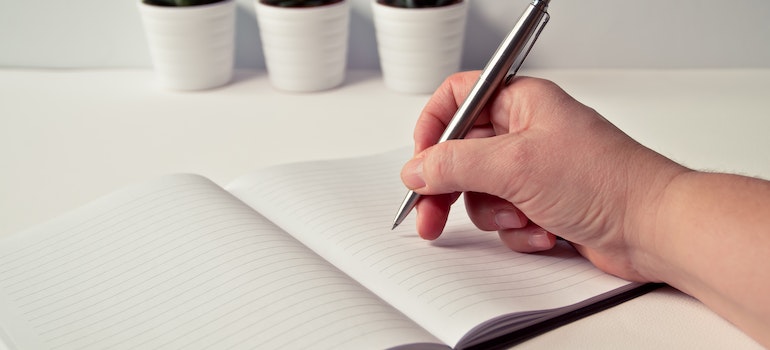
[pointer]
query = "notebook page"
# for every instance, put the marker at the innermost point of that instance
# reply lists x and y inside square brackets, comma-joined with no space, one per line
[343,210]
[180,263]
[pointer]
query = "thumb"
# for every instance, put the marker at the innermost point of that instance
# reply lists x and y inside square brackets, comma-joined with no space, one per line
[477,165]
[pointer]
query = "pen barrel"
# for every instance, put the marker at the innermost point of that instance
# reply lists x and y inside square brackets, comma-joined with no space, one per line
[466,115]
[513,47]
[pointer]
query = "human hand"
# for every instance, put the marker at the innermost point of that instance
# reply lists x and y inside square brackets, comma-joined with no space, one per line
[538,164]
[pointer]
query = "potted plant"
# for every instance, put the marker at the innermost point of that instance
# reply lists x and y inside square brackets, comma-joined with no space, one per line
[192,42]
[305,43]
[419,42]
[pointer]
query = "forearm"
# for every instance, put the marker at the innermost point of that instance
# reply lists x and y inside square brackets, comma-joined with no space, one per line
[711,239]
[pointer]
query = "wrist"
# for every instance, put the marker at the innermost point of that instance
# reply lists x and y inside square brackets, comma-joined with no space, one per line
[652,180]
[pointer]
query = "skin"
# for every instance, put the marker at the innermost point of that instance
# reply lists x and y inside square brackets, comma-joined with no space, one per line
[539,164]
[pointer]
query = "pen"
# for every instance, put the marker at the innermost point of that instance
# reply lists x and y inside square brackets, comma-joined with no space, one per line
[510,54]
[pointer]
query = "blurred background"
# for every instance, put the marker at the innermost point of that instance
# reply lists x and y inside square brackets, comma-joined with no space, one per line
[655,34]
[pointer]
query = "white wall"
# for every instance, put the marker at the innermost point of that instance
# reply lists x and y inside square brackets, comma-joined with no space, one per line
[581,34]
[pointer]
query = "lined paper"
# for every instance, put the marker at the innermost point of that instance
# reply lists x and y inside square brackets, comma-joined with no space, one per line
[180,263]
[344,209]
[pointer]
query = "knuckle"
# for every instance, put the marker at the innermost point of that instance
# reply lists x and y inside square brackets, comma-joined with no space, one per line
[461,78]
[515,158]
[438,166]
[532,89]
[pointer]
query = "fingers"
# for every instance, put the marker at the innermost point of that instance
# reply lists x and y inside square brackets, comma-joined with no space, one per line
[512,110]
[502,156]
[487,212]
[529,239]
[488,165]
[432,213]
[491,213]
[441,107]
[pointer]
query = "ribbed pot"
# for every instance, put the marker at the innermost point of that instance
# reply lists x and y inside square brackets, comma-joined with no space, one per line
[305,48]
[419,47]
[192,47]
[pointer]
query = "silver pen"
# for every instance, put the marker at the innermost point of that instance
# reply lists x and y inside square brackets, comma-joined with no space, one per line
[502,67]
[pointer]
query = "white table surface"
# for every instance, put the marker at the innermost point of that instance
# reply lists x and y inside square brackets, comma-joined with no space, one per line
[70,136]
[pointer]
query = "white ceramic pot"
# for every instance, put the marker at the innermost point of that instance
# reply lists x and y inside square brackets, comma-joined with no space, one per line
[192,47]
[419,47]
[305,47]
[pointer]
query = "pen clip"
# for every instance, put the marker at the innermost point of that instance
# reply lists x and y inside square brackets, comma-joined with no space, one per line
[519,61]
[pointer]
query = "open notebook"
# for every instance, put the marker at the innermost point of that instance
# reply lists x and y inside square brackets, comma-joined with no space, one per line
[292,256]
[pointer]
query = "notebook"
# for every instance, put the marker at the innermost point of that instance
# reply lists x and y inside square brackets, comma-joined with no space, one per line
[290,256]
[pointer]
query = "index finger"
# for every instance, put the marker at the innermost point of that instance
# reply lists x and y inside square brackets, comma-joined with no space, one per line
[441,107]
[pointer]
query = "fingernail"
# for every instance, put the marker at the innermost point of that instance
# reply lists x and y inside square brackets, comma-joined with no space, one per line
[508,219]
[413,174]
[539,240]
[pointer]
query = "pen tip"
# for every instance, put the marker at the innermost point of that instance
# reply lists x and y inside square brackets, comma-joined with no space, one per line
[394,226]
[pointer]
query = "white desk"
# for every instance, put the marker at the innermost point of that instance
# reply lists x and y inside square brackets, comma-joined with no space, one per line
[67,137]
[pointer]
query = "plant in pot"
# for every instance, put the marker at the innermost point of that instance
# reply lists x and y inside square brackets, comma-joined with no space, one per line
[305,43]
[192,42]
[419,42]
